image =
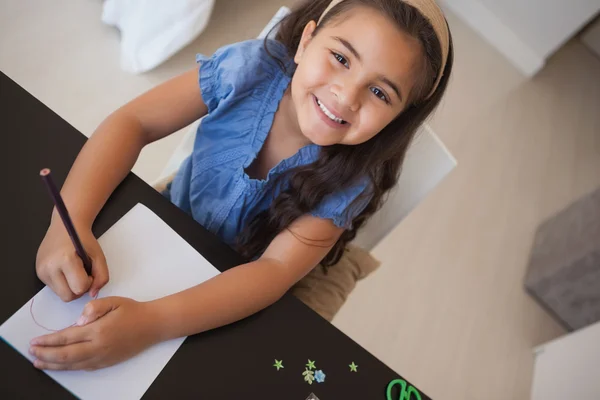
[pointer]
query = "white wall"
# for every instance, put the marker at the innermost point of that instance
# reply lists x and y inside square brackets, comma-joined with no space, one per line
[527,32]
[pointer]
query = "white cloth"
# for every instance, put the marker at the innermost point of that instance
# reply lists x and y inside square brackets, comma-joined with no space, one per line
[154,30]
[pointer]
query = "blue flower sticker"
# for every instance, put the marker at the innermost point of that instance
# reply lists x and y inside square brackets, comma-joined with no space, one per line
[320,376]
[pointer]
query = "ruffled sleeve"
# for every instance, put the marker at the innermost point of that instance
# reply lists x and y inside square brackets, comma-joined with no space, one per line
[236,70]
[342,207]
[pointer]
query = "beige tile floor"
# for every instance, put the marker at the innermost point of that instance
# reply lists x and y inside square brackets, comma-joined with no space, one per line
[447,309]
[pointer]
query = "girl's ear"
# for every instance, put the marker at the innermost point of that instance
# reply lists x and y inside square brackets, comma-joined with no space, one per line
[307,35]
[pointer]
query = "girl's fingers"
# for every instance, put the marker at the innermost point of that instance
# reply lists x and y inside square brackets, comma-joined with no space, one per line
[65,337]
[78,280]
[96,309]
[100,274]
[58,284]
[53,366]
[67,355]
[85,365]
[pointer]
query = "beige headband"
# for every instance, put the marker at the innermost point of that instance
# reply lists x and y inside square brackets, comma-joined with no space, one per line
[430,10]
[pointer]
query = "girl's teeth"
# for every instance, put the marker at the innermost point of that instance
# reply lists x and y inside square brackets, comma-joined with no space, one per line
[329,113]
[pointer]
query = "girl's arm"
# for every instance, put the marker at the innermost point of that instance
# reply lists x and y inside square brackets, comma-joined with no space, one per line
[246,289]
[113,329]
[116,144]
[100,166]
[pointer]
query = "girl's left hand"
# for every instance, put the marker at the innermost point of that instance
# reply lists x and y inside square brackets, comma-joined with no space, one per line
[110,330]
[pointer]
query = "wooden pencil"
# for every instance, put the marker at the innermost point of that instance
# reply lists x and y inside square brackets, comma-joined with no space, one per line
[66,219]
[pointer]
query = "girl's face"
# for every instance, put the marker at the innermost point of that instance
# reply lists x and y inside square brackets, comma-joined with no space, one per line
[353,77]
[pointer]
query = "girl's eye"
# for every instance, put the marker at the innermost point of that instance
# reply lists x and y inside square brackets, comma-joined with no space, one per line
[341,59]
[380,94]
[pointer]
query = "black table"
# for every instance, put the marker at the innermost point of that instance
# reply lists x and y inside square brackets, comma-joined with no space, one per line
[232,362]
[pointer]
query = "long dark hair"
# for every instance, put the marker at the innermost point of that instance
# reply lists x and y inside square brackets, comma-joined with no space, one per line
[338,166]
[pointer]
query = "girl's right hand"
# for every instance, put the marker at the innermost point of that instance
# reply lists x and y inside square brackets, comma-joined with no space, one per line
[59,266]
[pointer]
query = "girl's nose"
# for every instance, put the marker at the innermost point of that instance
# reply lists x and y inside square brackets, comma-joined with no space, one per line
[347,95]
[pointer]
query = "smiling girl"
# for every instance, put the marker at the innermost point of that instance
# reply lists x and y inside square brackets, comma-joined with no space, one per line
[304,135]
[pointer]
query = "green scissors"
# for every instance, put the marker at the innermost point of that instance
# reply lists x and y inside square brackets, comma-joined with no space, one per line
[405,394]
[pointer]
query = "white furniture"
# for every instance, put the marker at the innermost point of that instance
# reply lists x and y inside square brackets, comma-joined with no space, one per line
[526,32]
[568,367]
[153,30]
[591,37]
[427,163]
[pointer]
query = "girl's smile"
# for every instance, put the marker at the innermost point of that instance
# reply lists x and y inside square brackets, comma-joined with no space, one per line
[328,114]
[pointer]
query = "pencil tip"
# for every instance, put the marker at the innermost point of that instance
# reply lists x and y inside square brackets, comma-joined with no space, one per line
[45,172]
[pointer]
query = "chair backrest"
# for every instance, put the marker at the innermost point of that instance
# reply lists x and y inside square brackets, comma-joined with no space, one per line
[427,163]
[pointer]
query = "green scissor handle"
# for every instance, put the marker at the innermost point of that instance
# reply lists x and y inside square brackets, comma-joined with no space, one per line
[405,394]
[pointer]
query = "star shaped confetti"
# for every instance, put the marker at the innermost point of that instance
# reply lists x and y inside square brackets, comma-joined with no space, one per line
[311,365]
[353,367]
[278,364]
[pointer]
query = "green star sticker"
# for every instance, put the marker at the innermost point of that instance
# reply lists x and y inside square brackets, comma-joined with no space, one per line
[278,364]
[311,365]
[353,367]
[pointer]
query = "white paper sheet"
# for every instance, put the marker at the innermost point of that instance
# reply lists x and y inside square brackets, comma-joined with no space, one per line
[147,260]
